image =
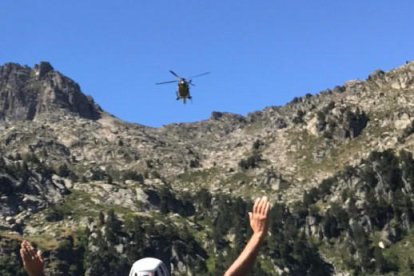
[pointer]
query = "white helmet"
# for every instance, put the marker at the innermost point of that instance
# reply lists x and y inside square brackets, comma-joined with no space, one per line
[149,267]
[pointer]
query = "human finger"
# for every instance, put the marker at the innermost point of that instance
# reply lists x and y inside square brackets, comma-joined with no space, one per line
[263,201]
[26,245]
[31,251]
[259,205]
[30,246]
[256,205]
[21,245]
[25,250]
[39,255]
[25,254]
[22,254]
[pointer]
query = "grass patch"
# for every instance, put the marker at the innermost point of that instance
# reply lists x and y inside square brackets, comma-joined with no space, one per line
[196,180]
[239,177]
[44,242]
[197,176]
[211,263]
[78,204]
[402,254]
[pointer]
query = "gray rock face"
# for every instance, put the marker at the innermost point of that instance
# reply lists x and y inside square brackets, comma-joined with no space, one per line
[42,69]
[21,189]
[25,93]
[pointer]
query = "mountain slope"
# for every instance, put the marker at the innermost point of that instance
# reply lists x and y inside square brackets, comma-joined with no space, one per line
[70,172]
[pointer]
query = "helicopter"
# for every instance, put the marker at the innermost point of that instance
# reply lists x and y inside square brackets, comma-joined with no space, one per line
[183,91]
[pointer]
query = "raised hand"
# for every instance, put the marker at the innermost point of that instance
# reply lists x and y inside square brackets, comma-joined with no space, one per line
[32,260]
[258,218]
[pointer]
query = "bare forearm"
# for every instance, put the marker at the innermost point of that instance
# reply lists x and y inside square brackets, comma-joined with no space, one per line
[244,262]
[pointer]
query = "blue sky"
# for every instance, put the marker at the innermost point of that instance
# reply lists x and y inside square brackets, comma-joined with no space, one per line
[260,53]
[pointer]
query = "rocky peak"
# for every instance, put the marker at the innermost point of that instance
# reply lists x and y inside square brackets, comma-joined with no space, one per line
[26,92]
[42,69]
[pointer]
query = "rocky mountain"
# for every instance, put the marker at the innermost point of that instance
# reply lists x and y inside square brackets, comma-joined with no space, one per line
[26,93]
[80,182]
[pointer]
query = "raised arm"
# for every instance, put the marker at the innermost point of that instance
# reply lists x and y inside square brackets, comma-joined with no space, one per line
[258,222]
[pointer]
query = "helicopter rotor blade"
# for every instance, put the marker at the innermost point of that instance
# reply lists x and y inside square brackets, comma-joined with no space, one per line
[177,76]
[199,75]
[164,82]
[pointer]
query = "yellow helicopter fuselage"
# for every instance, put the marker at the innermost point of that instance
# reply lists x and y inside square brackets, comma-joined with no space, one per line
[183,90]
